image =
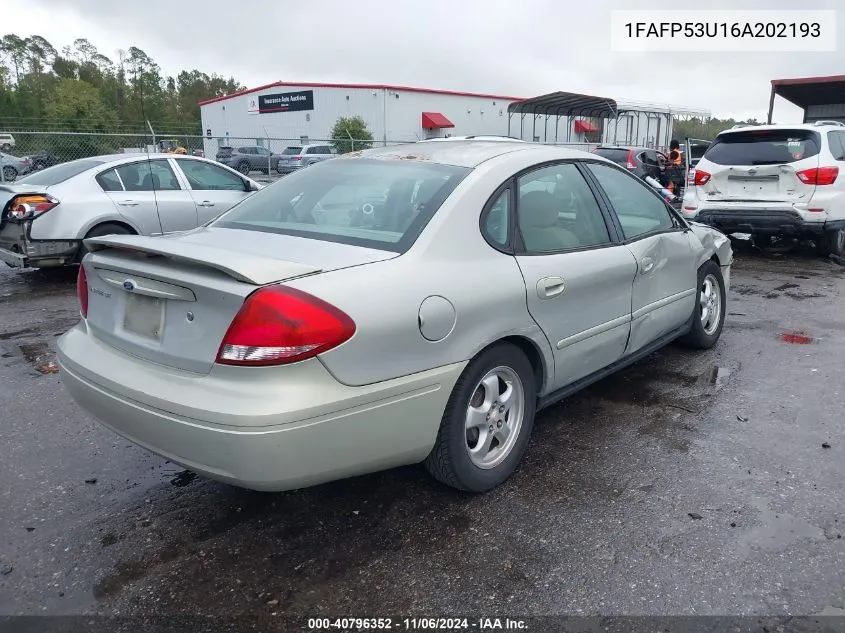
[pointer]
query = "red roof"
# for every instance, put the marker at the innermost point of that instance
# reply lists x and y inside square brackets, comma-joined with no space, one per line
[435,120]
[808,80]
[288,84]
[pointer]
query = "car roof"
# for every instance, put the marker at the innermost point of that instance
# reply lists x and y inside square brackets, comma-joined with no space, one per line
[462,153]
[627,147]
[785,126]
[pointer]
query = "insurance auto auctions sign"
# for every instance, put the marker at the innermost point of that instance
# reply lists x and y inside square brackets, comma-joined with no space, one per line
[282,102]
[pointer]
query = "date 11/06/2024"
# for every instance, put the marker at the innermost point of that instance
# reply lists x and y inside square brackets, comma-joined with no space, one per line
[723,29]
[417,624]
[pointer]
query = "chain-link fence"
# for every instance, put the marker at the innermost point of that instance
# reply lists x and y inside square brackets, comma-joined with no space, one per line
[261,158]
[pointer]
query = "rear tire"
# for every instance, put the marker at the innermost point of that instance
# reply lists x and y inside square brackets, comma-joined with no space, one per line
[10,173]
[708,317]
[243,168]
[832,243]
[107,228]
[5,147]
[496,391]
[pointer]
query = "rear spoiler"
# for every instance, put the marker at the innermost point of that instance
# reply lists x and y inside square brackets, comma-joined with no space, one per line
[241,266]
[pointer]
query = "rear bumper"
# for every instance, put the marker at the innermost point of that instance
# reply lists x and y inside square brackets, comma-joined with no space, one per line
[260,428]
[768,221]
[18,251]
[282,168]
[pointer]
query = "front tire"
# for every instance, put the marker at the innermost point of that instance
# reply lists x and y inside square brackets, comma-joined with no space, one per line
[243,168]
[708,318]
[487,422]
[9,174]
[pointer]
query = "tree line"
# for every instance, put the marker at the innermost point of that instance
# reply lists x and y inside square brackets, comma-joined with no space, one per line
[80,89]
[706,129]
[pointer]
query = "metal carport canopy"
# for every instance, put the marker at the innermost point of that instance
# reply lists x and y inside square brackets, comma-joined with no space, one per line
[808,91]
[565,104]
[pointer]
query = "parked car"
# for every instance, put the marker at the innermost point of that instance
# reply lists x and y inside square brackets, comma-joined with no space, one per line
[282,345]
[774,180]
[41,160]
[640,161]
[7,141]
[247,159]
[45,216]
[299,156]
[13,167]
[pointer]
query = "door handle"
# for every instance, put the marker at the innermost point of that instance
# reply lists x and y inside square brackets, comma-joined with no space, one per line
[646,264]
[549,287]
[128,203]
[206,203]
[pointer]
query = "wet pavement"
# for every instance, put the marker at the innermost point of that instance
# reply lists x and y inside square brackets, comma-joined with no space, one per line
[690,483]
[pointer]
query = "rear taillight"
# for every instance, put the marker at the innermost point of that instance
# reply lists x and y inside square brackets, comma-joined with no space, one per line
[631,161]
[28,207]
[818,175]
[701,178]
[278,325]
[82,291]
[297,157]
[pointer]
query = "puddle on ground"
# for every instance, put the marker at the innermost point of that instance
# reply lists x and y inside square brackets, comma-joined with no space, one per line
[719,376]
[797,338]
[34,352]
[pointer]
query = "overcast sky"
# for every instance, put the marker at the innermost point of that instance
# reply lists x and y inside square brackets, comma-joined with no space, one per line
[512,47]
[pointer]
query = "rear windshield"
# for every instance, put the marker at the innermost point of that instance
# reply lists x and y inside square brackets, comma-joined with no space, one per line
[619,156]
[373,203]
[54,175]
[763,147]
[291,151]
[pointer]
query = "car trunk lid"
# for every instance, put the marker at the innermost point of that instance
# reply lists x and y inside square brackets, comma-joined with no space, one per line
[759,166]
[170,300]
[766,183]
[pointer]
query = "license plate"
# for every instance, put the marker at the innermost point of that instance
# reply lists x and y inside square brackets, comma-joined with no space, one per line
[144,316]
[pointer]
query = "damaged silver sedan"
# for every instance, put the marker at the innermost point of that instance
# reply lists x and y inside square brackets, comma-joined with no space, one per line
[406,304]
[45,216]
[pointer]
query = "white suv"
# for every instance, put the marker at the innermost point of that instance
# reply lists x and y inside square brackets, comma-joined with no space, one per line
[772,180]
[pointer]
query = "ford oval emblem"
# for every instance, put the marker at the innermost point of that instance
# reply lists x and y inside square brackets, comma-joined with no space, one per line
[129,285]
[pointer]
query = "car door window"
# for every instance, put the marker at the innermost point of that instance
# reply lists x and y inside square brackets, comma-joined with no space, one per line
[206,177]
[109,181]
[638,207]
[557,210]
[836,140]
[151,175]
[495,224]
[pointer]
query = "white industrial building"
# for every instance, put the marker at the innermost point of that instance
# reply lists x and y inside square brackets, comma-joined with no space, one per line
[306,112]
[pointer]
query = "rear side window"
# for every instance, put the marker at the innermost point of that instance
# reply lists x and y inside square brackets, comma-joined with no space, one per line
[372,203]
[836,141]
[109,181]
[763,147]
[619,156]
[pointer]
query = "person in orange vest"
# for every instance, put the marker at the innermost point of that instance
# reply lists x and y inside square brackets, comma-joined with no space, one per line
[676,160]
[675,156]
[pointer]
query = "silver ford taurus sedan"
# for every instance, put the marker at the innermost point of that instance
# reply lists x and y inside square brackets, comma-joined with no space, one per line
[405,304]
[45,216]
